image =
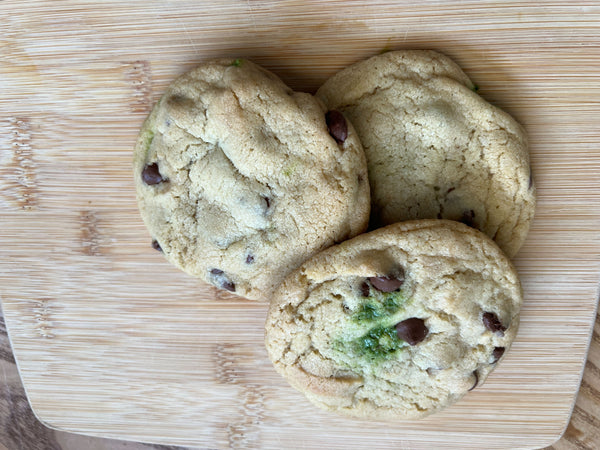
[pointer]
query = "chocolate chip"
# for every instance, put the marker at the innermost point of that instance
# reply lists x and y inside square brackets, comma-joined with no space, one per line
[492,323]
[365,290]
[497,354]
[468,218]
[450,190]
[156,245]
[267,202]
[391,283]
[221,280]
[228,285]
[336,124]
[476,380]
[249,259]
[412,330]
[151,175]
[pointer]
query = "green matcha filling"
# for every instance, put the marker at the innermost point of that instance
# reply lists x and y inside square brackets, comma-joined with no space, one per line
[379,341]
[381,306]
[377,344]
[237,62]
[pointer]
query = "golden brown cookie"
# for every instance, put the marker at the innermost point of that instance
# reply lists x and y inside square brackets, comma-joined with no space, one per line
[240,179]
[396,323]
[436,149]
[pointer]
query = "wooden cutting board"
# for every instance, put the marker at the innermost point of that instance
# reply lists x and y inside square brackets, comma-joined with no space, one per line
[112,341]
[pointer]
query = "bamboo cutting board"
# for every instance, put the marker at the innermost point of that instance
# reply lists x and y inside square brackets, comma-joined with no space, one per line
[112,341]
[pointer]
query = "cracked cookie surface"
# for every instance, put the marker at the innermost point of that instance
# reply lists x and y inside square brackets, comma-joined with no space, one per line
[396,323]
[240,179]
[436,149]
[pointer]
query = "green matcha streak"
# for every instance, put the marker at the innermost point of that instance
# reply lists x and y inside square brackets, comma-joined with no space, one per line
[148,138]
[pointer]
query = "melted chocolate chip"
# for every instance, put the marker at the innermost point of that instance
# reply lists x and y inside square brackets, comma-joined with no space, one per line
[249,259]
[156,245]
[151,174]
[365,290]
[492,323]
[476,381]
[450,190]
[216,271]
[267,202]
[391,283]
[497,354]
[468,218]
[337,126]
[412,330]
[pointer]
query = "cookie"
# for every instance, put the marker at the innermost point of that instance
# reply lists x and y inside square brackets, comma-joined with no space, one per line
[436,149]
[240,179]
[396,323]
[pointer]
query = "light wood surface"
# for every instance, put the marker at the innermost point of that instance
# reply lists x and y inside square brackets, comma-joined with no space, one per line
[112,341]
[20,429]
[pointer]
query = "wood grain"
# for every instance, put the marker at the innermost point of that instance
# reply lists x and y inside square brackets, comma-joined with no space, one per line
[112,341]
[22,430]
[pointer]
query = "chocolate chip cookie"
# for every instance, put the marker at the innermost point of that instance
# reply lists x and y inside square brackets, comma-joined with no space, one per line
[396,323]
[240,179]
[435,148]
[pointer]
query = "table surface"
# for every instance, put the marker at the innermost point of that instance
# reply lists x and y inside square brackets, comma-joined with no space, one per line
[20,429]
